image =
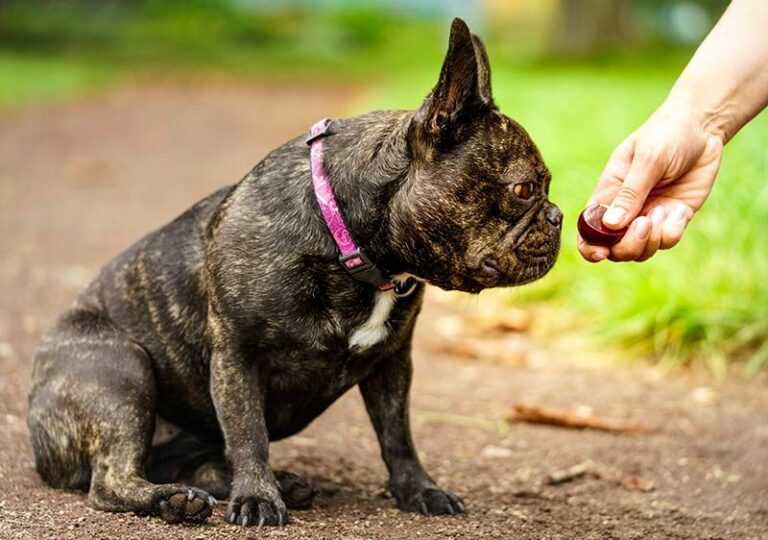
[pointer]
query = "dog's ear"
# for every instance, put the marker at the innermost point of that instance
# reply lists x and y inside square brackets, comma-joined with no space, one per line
[483,72]
[464,87]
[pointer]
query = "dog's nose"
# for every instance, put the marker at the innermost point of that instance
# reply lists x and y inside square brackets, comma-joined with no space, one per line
[554,216]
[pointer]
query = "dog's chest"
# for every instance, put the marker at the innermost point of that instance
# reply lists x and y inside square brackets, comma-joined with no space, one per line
[333,349]
[376,327]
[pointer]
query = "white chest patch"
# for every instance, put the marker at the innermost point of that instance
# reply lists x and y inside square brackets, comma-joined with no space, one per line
[375,328]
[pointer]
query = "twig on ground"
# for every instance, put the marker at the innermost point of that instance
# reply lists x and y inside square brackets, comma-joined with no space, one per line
[571,473]
[561,418]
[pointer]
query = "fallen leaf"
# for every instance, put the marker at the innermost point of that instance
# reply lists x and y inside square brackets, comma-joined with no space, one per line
[635,483]
[503,319]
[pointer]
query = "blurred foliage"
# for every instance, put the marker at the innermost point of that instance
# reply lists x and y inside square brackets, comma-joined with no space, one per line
[282,36]
[222,35]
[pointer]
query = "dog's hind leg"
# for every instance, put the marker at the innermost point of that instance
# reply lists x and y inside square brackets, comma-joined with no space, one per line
[191,460]
[91,419]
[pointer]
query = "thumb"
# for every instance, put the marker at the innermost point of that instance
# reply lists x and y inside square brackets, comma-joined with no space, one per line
[644,172]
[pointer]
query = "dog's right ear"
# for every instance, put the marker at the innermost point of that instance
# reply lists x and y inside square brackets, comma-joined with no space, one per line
[463,90]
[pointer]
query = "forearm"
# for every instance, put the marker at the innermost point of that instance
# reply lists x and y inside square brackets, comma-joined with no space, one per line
[726,82]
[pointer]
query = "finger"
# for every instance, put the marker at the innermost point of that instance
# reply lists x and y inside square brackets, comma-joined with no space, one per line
[643,174]
[613,174]
[633,244]
[591,253]
[656,216]
[674,226]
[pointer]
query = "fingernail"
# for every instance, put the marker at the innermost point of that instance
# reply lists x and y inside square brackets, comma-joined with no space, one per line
[614,215]
[642,228]
[679,213]
[657,215]
[598,256]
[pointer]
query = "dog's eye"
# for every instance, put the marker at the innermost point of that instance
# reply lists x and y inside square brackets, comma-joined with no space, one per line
[524,190]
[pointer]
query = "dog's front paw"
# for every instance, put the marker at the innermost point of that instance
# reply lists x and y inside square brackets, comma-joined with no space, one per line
[429,501]
[184,504]
[255,510]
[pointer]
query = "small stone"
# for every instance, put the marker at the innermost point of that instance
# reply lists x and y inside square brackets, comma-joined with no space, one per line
[6,350]
[704,395]
[495,452]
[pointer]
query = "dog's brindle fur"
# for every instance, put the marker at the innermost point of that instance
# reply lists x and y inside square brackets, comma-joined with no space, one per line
[234,321]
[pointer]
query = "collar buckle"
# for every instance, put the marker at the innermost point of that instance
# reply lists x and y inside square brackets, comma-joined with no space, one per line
[318,130]
[361,268]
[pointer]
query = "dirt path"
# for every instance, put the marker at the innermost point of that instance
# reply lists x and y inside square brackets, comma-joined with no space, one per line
[80,182]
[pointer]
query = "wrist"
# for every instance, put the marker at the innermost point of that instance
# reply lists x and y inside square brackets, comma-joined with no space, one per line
[715,117]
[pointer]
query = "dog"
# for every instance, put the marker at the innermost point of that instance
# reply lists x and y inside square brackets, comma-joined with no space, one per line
[242,320]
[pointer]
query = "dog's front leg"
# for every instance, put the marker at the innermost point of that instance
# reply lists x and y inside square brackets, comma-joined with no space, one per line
[238,391]
[386,392]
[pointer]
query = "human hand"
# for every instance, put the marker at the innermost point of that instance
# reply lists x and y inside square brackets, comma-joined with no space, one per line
[654,182]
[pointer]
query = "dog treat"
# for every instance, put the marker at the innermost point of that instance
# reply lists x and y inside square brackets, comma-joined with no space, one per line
[592,229]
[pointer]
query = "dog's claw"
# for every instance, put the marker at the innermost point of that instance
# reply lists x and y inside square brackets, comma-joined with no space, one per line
[255,511]
[456,506]
[430,501]
[190,494]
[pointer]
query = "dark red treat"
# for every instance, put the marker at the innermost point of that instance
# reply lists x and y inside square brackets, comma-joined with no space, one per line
[592,230]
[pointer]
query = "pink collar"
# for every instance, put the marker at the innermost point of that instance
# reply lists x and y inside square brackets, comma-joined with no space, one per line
[352,257]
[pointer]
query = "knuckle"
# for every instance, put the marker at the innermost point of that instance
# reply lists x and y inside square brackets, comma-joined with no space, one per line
[671,237]
[618,256]
[667,243]
[628,194]
[647,157]
[627,252]
[647,254]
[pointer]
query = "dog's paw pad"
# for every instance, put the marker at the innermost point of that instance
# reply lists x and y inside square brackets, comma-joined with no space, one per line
[188,504]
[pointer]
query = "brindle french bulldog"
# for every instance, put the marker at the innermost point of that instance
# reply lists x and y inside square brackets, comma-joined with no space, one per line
[237,323]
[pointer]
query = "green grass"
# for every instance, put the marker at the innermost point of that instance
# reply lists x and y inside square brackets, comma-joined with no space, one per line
[707,299]
[28,79]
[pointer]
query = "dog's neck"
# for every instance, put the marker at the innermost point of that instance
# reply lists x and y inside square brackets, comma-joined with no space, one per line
[367,159]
